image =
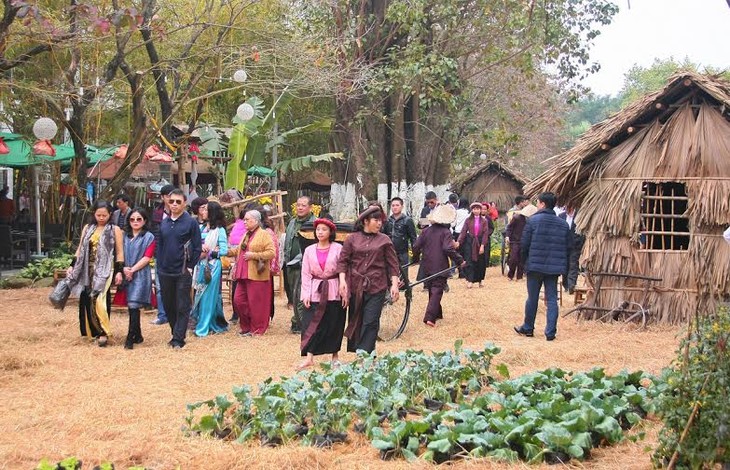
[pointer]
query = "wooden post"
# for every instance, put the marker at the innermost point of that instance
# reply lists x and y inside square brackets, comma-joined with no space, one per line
[183,150]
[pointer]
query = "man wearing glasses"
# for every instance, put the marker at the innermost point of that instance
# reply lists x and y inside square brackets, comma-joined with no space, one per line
[160,212]
[178,249]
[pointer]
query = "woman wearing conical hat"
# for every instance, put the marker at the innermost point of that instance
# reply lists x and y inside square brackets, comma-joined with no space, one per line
[435,246]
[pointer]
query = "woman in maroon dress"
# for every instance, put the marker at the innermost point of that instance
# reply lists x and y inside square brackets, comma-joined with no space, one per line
[368,264]
[474,239]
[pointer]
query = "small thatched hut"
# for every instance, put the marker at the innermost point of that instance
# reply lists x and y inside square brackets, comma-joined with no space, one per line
[490,181]
[652,189]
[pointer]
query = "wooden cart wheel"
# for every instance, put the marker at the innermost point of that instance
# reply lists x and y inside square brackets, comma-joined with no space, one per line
[394,316]
[635,321]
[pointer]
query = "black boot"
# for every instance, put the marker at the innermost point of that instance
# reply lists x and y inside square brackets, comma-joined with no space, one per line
[135,331]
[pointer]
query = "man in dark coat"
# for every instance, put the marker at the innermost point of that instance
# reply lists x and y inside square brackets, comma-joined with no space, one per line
[545,247]
[293,260]
[437,246]
[401,230]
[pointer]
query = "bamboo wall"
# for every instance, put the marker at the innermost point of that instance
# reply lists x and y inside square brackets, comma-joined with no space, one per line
[690,148]
[492,186]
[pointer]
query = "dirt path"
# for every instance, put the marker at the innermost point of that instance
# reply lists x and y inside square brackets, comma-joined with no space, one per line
[63,396]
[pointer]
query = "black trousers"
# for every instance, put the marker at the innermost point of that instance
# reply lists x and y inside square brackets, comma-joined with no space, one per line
[178,303]
[372,307]
[403,259]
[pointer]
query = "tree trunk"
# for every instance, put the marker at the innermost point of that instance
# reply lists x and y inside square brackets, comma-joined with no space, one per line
[138,139]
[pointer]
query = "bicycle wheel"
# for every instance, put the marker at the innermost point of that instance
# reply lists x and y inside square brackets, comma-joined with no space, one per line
[394,316]
[504,257]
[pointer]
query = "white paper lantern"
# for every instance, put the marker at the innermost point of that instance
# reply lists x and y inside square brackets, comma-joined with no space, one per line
[45,129]
[240,76]
[245,112]
[483,156]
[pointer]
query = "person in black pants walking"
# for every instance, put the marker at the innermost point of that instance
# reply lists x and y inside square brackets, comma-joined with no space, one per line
[178,249]
[401,230]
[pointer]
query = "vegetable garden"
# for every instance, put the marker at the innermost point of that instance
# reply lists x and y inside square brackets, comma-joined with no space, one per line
[438,407]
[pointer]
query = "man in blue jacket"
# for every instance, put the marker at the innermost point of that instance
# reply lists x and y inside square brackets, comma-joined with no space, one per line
[545,250]
[178,249]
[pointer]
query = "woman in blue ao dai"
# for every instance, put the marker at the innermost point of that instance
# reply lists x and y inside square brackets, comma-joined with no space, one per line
[208,302]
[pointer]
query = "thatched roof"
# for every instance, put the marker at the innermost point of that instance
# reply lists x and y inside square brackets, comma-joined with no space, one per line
[488,166]
[688,141]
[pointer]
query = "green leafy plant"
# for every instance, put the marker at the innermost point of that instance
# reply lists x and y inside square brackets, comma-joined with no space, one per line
[438,407]
[45,267]
[73,463]
[694,405]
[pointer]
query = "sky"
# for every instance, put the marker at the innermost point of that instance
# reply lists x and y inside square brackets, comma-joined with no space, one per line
[650,29]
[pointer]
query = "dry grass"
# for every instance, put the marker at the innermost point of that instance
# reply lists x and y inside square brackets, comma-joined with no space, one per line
[63,396]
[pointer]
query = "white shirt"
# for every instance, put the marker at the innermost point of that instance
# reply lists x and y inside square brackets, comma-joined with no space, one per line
[461,216]
[726,235]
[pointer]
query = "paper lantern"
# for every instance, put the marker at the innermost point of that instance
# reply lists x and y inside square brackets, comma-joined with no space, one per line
[121,152]
[4,150]
[45,129]
[240,76]
[483,156]
[245,112]
[155,154]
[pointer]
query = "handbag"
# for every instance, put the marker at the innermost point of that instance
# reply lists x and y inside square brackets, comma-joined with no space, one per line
[260,266]
[207,273]
[60,294]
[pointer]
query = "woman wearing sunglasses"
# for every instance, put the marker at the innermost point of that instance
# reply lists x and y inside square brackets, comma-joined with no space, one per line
[136,290]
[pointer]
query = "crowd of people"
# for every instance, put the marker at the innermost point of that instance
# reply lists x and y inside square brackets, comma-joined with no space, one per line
[334,290]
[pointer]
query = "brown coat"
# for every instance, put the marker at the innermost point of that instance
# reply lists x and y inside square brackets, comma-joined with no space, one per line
[261,247]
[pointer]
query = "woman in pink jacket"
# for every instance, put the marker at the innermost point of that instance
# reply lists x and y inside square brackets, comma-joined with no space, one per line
[323,320]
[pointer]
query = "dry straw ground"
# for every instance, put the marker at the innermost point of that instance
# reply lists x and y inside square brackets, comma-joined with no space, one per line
[62,396]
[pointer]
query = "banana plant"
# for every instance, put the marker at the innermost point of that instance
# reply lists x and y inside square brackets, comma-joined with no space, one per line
[251,142]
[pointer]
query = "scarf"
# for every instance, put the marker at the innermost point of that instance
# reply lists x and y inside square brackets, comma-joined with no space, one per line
[103,266]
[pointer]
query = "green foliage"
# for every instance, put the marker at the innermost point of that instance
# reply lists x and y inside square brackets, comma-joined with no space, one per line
[65,248]
[438,407]
[699,380]
[300,163]
[242,133]
[588,112]
[45,267]
[639,81]
[73,463]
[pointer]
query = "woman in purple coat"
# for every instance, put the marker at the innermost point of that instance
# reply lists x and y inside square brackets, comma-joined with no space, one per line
[437,246]
[474,239]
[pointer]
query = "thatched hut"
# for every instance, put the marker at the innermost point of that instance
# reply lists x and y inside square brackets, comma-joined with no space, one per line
[652,188]
[490,181]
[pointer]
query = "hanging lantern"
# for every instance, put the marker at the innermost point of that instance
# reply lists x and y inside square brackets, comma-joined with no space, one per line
[45,128]
[154,154]
[121,152]
[240,76]
[4,150]
[194,151]
[245,112]
[44,147]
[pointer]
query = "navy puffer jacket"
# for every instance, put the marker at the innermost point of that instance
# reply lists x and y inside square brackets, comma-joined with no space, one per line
[546,243]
